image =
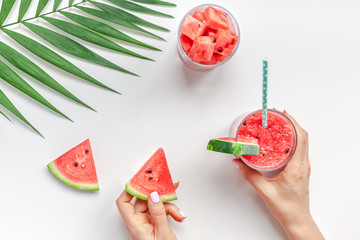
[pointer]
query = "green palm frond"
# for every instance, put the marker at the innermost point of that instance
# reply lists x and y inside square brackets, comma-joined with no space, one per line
[5,10]
[5,101]
[116,19]
[126,16]
[155,2]
[24,6]
[41,6]
[89,30]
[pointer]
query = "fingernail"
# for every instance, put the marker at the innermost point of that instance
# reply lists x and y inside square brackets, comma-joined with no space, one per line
[154,197]
[182,214]
[236,163]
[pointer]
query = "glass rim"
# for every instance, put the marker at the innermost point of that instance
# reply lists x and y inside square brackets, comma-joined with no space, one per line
[295,144]
[234,23]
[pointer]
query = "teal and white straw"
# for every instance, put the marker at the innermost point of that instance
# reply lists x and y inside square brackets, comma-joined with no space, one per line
[265,92]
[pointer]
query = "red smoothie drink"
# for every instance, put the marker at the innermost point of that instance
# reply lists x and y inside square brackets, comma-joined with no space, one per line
[277,141]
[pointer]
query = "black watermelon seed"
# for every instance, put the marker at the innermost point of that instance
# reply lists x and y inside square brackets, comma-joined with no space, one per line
[149,171]
[258,136]
[244,123]
[86,151]
[263,154]
[76,164]
[150,178]
[287,150]
[214,40]
[219,50]
[199,25]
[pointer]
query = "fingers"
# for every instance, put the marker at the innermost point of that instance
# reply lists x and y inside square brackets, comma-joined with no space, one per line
[125,207]
[302,147]
[141,206]
[158,213]
[255,178]
[174,212]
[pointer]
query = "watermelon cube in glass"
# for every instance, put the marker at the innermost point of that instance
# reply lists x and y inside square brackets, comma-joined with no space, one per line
[208,36]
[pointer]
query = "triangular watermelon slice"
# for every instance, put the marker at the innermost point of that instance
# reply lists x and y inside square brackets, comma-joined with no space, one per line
[153,176]
[76,168]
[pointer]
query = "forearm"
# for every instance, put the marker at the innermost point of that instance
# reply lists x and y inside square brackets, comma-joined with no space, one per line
[306,229]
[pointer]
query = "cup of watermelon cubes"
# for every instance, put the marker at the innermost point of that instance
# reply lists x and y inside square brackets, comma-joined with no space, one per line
[208,36]
[277,141]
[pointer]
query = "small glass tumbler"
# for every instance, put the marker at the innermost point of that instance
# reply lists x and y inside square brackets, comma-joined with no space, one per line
[233,25]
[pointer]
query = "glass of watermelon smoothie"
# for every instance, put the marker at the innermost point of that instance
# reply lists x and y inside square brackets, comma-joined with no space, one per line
[277,142]
[208,36]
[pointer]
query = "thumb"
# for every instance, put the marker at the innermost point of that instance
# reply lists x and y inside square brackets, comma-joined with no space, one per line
[158,213]
[252,176]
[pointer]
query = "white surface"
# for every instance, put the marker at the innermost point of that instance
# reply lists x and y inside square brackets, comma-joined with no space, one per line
[313,47]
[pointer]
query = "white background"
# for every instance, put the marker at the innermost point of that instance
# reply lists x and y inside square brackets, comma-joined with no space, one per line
[314,49]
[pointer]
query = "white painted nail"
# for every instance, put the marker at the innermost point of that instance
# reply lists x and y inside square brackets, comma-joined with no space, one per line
[154,197]
[236,163]
[182,213]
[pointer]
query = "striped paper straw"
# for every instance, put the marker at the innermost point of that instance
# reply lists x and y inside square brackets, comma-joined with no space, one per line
[265,92]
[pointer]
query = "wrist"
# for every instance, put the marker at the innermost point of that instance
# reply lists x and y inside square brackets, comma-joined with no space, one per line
[303,227]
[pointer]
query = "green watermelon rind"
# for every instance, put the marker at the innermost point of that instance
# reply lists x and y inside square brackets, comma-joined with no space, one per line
[236,148]
[135,193]
[82,186]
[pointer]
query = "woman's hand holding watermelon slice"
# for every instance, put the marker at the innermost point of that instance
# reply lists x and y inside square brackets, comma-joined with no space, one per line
[287,195]
[147,220]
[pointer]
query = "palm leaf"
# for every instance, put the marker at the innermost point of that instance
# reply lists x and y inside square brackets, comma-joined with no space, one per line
[56,4]
[24,6]
[115,19]
[105,29]
[126,16]
[138,8]
[4,113]
[16,81]
[4,100]
[6,7]
[40,7]
[71,47]
[24,64]
[52,57]
[90,36]
[156,2]
[91,31]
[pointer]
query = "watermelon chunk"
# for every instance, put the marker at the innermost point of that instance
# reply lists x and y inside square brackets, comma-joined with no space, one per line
[199,15]
[215,19]
[225,41]
[231,146]
[186,43]
[214,59]
[76,168]
[202,49]
[154,175]
[192,27]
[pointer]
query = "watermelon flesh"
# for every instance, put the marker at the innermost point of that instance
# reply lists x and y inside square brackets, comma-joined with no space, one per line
[76,168]
[153,176]
[211,23]
[199,15]
[202,49]
[192,27]
[215,19]
[186,43]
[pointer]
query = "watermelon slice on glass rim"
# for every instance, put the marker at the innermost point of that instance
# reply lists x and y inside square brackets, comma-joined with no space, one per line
[153,176]
[76,168]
